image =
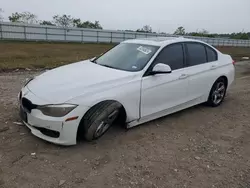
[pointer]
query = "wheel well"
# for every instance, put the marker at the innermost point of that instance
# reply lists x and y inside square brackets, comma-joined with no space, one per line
[225,78]
[121,119]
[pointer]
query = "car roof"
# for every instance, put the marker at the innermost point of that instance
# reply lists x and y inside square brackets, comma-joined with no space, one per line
[159,41]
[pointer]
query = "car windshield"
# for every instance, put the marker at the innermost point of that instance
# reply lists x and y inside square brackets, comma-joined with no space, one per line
[127,56]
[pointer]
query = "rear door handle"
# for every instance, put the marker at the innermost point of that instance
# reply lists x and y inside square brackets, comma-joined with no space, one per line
[183,76]
[213,67]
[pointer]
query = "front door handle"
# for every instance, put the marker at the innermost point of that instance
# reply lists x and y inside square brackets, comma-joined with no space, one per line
[213,67]
[183,76]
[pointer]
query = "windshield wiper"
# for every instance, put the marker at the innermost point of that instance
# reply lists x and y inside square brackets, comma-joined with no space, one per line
[107,66]
[93,61]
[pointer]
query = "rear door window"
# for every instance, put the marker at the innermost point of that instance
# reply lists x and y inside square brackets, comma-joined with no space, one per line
[196,54]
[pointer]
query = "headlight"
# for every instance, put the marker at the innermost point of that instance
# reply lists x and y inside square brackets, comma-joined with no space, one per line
[59,110]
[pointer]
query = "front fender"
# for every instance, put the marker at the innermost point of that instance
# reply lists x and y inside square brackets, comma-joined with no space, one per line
[127,94]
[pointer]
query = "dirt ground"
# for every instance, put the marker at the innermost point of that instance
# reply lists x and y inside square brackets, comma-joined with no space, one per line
[200,147]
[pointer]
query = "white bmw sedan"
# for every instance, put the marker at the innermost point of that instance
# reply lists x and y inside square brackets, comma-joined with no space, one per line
[134,82]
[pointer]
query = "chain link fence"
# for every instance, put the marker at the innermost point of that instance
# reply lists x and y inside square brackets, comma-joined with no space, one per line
[28,32]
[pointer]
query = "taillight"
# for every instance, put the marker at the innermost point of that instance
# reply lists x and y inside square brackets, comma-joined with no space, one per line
[234,62]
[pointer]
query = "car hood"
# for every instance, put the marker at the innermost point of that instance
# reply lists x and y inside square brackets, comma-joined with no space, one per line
[67,82]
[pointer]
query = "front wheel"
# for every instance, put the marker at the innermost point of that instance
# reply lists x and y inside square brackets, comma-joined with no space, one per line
[99,119]
[217,93]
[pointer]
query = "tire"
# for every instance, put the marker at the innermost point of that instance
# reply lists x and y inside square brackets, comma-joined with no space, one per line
[217,93]
[99,119]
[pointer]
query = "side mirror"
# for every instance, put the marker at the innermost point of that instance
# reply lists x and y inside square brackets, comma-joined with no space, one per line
[161,68]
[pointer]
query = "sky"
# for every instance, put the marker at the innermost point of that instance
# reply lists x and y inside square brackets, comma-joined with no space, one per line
[216,16]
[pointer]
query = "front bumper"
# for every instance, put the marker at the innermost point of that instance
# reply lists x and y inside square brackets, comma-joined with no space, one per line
[52,129]
[60,140]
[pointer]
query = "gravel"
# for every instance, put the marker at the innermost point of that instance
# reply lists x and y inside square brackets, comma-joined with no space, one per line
[198,147]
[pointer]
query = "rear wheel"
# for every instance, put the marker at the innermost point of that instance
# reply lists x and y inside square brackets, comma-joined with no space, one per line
[217,93]
[99,119]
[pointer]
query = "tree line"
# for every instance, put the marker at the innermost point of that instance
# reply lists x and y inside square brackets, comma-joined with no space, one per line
[57,20]
[69,21]
[204,33]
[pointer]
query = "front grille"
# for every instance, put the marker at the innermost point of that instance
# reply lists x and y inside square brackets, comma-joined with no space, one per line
[28,105]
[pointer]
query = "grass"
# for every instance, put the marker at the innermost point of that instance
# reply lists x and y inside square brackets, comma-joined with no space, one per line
[20,55]
[33,55]
[236,52]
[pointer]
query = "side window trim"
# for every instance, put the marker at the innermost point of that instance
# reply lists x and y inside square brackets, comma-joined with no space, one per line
[153,62]
[184,55]
[206,54]
[187,54]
